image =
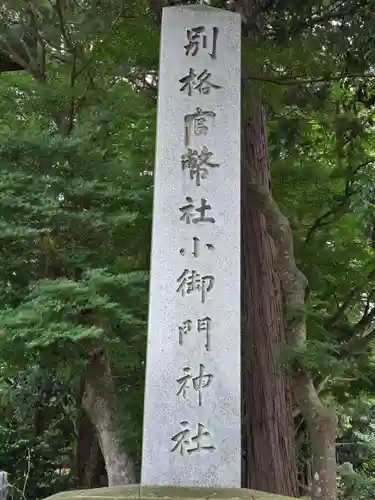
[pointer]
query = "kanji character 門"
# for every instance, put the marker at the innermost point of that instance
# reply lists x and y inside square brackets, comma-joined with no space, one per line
[203,326]
[199,382]
[190,282]
[186,443]
[197,163]
[197,38]
[201,82]
[184,329]
[188,212]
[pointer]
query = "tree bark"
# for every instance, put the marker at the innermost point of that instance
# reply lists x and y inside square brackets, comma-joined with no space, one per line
[321,425]
[267,396]
[321,420]
[98,401]
[269,428]
[89,459]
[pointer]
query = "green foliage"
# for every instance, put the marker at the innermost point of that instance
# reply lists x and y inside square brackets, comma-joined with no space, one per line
[356,440]
[76,147]
[319,359]
[36,433]
[319,100]
[354,486]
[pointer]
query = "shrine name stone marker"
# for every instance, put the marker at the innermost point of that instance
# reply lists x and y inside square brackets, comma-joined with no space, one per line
[192,422]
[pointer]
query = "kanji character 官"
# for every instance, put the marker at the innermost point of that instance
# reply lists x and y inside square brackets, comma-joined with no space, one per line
[196,123]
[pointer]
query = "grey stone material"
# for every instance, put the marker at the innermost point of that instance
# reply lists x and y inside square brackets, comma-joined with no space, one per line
[3,485]
[192,421]
[136,492]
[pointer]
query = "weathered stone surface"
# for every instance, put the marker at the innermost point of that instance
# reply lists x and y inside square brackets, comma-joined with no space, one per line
[137,492]
[193,375]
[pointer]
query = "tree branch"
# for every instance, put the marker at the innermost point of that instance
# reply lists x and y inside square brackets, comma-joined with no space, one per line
[293,282]
[41,62]
[92,58]
[300,80]
[351,295]
[357,344]
[365,321]
[59,10]
[73,76]
[341,208]
[337,212]
[323,18]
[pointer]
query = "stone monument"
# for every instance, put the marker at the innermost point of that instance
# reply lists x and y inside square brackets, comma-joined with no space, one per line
[192,416]
[192,423]
[3,485]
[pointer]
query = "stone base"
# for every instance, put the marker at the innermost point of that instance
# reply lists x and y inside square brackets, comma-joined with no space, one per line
[137,492]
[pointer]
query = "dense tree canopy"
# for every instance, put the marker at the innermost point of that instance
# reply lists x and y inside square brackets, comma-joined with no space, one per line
[77,131]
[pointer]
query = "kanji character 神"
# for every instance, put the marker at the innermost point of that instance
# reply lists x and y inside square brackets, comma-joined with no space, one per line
[199,382]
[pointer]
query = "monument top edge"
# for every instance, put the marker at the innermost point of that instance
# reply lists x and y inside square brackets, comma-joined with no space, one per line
[200,7]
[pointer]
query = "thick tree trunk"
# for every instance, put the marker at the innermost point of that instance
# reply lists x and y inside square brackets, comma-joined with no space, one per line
[321,421]
[98,401]
[321,425]
[262,263]
[267,397]
[269,428]
[89,459]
